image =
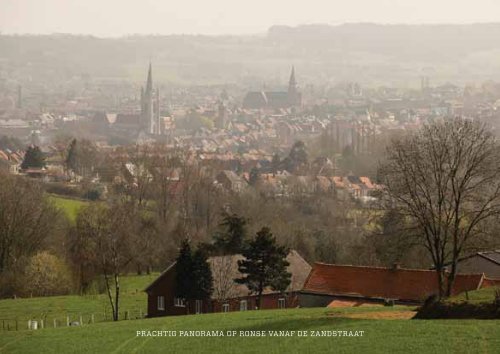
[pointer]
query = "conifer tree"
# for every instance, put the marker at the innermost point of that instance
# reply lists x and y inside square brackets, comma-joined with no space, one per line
[193,274]
[231,240]
[201,275]
[33,158]
[183,276]
[264,265]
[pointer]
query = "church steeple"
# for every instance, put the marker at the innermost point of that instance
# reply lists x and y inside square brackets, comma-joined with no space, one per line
[292,84]
[150,106]
[294,96]
[149,82]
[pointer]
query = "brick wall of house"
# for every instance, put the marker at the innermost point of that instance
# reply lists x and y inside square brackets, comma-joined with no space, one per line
[165,286]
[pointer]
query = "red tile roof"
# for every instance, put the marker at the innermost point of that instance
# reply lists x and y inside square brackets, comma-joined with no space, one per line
[382,283]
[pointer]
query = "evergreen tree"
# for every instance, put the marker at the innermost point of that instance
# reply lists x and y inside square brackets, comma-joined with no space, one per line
[231,240]
[183,276]
[201,275]
[71,157]
[254,176]
[264,265]
[193,274]
[297,158]
[33,158]
[275,163]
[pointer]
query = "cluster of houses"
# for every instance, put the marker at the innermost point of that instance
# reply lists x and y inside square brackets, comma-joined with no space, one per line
[285,184]
[322,285]
[10,161]
[54,171]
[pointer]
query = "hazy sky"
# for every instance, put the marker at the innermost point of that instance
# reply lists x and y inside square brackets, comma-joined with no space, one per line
[121,17]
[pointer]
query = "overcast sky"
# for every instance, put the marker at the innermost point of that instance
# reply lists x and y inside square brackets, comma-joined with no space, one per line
[122,17]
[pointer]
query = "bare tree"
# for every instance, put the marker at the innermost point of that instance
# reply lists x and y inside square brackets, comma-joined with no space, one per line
[444,180]
[108,233]
[225,270]
[138,174]
[27,219]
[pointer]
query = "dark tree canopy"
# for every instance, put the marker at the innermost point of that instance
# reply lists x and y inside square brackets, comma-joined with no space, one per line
[193,274]
[264,265]
[202,275]
[297,158]
[231,239]
[183,271]
[254,176]
[33,158]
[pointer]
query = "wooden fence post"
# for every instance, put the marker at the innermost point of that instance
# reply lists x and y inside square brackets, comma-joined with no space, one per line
[67,321]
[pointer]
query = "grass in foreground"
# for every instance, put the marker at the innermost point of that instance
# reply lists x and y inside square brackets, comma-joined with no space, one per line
[133,299]
[380,336]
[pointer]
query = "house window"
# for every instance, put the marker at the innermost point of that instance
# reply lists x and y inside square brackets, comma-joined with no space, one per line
[281,303]
[225,307]
[243,305]
[179,302]
[161,303]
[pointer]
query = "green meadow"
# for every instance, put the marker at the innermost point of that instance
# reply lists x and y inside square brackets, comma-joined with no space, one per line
[69,206]
[133,300]
[379,335]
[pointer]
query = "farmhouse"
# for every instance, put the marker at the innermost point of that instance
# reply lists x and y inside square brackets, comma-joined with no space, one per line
[227,295]
[481,262]
[344,285]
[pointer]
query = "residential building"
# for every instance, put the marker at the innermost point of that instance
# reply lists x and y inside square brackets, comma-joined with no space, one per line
[227,295]
[345,285]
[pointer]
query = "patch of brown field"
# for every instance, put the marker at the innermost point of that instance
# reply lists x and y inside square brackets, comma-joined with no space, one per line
[382,315]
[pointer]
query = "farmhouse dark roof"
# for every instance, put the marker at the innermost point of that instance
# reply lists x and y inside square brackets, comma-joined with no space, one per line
[221,266]
[492,256]
[382,283]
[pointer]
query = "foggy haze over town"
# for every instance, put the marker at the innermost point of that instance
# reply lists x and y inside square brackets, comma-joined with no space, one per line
[226,17]
[325,160]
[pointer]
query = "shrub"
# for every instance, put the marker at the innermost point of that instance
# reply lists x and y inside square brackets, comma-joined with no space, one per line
[45,275]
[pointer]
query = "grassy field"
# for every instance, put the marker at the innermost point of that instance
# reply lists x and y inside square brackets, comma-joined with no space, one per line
[133,300]
[478,296]
[380,335]
[69,206]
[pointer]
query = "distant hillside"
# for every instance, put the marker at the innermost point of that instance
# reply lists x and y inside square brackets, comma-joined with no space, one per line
[321,53]
[406,42]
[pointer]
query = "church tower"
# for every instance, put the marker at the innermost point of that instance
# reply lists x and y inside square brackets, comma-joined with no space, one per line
[150,106]
[294,96]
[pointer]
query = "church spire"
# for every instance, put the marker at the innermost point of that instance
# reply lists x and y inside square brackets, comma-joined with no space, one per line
[149,83]
[294,97]
[292,82]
